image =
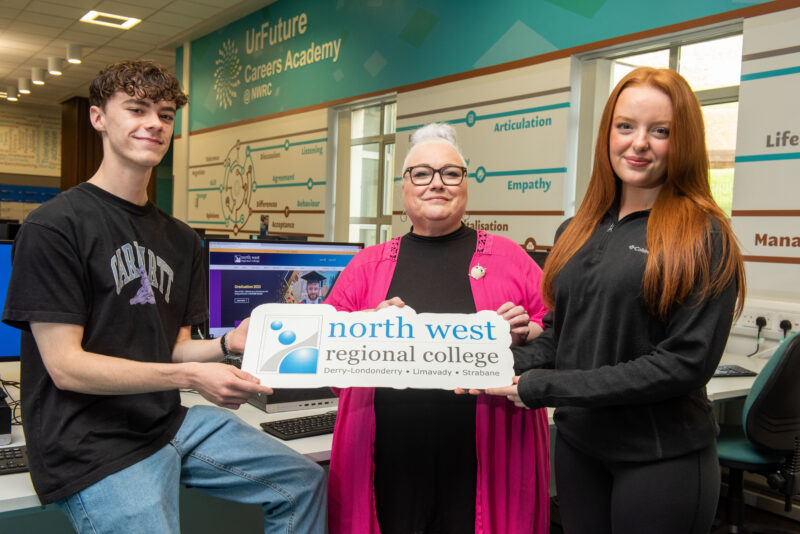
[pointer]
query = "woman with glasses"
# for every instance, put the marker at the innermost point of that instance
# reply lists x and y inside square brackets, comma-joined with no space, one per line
[421,460]
[643,283]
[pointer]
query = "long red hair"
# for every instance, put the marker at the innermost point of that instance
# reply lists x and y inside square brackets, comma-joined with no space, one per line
[678,230]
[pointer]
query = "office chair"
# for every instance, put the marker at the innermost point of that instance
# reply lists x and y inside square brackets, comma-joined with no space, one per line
[768,442]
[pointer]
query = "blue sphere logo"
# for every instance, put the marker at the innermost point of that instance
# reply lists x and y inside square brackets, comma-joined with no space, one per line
[287,338]
[302,359]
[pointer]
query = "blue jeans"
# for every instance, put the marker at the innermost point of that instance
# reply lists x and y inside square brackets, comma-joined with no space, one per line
[220,454]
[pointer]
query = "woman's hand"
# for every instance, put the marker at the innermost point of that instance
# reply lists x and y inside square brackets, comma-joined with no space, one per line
[510,392]
[518,320]
[462,391]
[394,301]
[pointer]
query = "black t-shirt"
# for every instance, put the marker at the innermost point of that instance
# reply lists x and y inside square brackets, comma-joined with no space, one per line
[132,276]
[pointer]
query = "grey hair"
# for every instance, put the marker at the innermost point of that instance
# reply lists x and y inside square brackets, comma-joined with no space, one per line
[434,130]
[438,132]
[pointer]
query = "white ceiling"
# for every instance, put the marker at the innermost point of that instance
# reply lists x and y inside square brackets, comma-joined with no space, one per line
[32,30]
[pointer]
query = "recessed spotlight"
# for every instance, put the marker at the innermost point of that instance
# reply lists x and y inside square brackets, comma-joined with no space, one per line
[37,76]
[55,65]
[109,19]
[74,53]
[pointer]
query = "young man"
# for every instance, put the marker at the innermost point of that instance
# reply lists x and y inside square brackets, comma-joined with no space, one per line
[106,287]
[314,282]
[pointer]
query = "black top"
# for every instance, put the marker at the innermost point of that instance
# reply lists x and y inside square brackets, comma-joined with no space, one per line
[628,386]
[132,276]
[425,459]
[431,274]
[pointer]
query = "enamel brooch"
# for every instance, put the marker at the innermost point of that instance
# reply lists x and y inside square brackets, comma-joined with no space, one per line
[477,272]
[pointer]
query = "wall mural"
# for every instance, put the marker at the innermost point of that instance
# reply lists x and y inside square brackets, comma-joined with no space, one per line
[260,177]
[512,128]
[766,211]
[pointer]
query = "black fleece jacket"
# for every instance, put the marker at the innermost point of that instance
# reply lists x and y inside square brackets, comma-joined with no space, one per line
[627,386]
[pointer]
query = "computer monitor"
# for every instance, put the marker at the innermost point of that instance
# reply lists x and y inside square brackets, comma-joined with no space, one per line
[539,256]
[243,273]
[9,336]
[271,237]
[8,230]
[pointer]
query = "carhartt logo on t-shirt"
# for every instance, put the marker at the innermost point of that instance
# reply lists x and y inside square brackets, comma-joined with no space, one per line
[132,262]
[145,294]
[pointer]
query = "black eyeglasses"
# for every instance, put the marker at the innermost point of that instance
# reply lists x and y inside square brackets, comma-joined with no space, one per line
[423,174]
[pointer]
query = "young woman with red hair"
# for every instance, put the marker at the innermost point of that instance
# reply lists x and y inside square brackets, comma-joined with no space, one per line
[642,285]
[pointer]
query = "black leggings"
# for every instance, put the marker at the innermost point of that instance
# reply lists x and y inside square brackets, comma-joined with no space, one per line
[673,496]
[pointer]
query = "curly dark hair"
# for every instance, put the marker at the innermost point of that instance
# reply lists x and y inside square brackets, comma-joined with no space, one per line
[139,79]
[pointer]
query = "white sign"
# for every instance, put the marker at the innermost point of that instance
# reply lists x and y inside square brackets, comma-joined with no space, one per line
[313,345]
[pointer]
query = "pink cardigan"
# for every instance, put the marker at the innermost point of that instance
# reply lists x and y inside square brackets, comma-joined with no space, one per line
[512,444]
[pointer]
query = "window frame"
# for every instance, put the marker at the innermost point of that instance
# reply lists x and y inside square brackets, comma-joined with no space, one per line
[594,75]
[382,140]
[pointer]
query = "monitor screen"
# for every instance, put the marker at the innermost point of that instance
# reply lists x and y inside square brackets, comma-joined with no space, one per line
[8,230]
[244,273]
[9,336]
[539,256]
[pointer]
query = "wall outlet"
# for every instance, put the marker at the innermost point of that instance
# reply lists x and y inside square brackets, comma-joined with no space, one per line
[774,311]
[749,316]
[793,318]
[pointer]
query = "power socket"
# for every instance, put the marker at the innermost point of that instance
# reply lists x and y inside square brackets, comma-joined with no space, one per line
[749,316]
[774,311]
[793,318]
[746,324]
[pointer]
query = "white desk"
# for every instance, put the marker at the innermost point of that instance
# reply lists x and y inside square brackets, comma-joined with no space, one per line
[16,491]
[729,387]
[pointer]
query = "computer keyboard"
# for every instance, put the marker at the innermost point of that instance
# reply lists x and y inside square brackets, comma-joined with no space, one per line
[733,370]
[301,427]
[13,459]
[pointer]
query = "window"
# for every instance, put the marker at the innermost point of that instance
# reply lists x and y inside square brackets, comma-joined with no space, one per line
[372,141]
[713,68]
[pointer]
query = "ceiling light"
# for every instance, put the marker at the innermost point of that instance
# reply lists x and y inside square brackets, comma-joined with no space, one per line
[55,65]
[108,19]
[24,85]
[74,53]
[11,93]
[37,76]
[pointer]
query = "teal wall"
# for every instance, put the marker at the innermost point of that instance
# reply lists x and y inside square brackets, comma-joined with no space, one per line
[297,53]
[179,74]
